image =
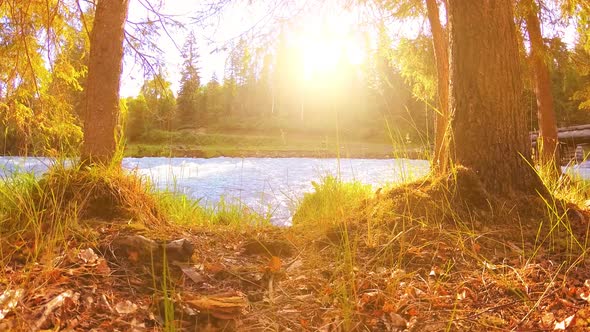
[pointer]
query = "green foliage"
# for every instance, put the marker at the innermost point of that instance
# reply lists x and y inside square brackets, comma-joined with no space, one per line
[213,100]
[416,60]
[331,202]
[160,102]
[569,81]
[581,58]
[41,69]
[138,121]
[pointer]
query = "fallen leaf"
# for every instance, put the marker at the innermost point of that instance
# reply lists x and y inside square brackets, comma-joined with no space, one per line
[222,307]
[102,267]
[88,256]
[461,295]
[55,303]
[214,267]
[193,274]
[133,256]
[547,319]
[489,266]
[413,312]
[561,326]
[397,320]
[476,248]
[582,320]
[8,301]
[388,307]
[275,264]
[125,307]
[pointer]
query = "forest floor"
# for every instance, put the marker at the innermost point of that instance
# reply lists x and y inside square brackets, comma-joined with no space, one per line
[401,260]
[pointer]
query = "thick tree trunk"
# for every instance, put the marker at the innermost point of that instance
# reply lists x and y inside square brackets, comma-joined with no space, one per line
[547,143]
[441,53]
[488,125]
[102,87]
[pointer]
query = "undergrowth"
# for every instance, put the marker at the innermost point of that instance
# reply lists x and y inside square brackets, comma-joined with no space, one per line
[331,201]
[44,212]
[443,226]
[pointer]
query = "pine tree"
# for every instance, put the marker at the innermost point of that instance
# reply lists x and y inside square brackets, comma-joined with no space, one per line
[190,82]
[488,131]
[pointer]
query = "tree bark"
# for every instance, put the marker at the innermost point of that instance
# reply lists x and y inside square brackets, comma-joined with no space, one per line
[547,143]
[102,87]
[488,132]
[441,54]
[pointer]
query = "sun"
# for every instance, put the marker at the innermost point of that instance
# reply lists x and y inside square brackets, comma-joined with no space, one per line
[326,45]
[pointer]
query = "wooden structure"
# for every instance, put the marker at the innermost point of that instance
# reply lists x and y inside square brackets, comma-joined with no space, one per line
[569,139]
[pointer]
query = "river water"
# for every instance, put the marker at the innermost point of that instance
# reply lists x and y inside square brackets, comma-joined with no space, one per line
[265,185]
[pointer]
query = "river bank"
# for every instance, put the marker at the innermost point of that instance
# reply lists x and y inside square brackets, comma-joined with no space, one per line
[197,144]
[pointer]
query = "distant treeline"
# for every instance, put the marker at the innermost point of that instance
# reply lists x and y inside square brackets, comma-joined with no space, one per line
[271,93]
[264,90]
[392,93]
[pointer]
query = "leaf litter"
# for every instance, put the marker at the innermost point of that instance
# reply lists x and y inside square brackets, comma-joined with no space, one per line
[399,275]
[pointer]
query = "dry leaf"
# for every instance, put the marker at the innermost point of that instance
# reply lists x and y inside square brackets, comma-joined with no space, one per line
[214,267]
[275,264]
[133,256]
[125,307]
[102,267]
[220,307]
[561,326]
[8,301]
[388,307]
[547,319]
[55,303]
[191,272]
[88,256]
[461,295]
[413,312]
[397,320]
[582,320]
[476,248]
[489,266]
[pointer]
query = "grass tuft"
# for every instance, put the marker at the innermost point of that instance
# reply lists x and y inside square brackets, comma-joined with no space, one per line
[331,202]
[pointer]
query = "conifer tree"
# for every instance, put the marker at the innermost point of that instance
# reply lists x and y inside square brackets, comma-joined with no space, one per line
[190,82]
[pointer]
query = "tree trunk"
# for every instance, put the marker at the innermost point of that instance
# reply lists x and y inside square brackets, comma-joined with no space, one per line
[102,86]
[547,142]
[441,53]
[488,132]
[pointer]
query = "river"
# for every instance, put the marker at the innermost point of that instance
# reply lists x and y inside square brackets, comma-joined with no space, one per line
[265,185]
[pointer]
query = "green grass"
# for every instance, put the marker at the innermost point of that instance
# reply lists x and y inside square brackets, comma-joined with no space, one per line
[65,196]
[185,211]
[190,143]
[330,202]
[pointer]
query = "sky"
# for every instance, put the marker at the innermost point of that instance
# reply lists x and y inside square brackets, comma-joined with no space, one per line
[213,36]
[251,18]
